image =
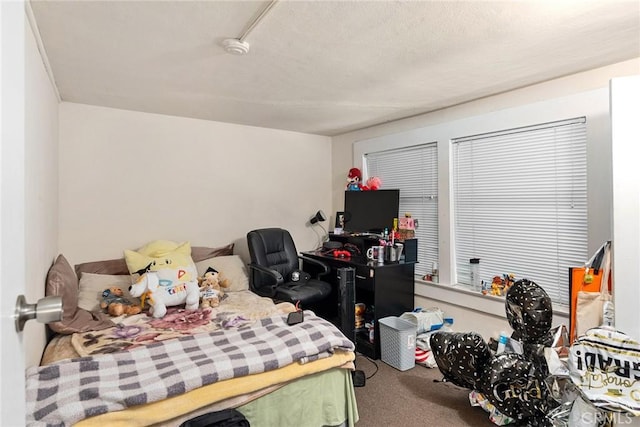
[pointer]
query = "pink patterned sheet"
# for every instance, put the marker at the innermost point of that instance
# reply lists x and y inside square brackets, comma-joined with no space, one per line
[237,309]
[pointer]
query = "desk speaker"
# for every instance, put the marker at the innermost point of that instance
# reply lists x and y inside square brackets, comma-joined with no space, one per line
[347,301]
[410,250]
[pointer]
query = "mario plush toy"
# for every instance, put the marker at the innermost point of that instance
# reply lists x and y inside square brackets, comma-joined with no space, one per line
[354,179]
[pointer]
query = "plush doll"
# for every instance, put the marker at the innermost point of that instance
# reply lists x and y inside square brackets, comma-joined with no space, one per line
[211,285]
[171,292]
[209,294]
[354,179]
[360,309]
[168,275]
[374,183]
[114,303]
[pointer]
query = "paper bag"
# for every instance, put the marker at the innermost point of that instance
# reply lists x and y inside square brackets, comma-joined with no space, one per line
[588,296]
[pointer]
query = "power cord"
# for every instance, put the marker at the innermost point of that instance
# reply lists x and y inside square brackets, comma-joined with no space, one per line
[352,248]
[321,237]
[373,362]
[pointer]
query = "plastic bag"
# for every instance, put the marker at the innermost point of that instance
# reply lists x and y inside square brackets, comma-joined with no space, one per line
[425,320]
[603,363]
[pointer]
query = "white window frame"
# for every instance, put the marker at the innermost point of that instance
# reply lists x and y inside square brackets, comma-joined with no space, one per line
[448,125]
[520,203]
[416,198]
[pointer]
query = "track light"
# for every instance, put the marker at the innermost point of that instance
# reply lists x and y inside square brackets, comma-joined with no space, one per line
[318,217]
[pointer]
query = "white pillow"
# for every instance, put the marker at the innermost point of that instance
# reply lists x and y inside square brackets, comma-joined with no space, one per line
[91,286]
[230,267]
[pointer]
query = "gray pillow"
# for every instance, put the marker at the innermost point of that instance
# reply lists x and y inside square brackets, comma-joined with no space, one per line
[62,281]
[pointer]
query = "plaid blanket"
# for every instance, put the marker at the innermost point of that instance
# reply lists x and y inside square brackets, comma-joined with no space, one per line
[67,392]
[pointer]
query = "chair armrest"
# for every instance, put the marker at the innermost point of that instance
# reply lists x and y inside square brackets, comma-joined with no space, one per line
[271,272]
[324,266]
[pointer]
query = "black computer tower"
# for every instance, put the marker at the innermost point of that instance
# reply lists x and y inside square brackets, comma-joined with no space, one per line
[347,301]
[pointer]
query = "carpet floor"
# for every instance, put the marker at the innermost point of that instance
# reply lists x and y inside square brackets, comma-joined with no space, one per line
[415,397]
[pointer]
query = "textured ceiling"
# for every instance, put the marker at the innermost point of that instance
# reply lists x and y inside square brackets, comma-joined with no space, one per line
[323,67]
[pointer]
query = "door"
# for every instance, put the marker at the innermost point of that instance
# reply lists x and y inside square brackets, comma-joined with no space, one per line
[12,207]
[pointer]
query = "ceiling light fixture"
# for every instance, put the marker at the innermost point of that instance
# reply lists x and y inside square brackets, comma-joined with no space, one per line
[235,46]
[239,46]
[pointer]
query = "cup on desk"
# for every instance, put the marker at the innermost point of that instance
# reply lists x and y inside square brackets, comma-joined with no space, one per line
[393,252]
[397,249]
[376,253]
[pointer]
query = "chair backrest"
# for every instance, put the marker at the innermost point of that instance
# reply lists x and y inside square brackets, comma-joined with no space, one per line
[272,248]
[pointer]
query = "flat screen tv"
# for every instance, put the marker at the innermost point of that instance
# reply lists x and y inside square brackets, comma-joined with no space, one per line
[370,211]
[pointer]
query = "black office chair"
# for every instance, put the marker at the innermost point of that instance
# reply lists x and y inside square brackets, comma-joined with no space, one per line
[275,269]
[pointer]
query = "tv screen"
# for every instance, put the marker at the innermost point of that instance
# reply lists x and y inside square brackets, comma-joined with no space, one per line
[370,211]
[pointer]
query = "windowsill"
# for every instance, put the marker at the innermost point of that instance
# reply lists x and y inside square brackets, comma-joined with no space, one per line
[463,297]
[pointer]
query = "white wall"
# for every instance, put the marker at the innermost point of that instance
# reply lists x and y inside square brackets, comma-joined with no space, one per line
[127,178]
[625,202]
[41,187]
[474,311]
[342,153]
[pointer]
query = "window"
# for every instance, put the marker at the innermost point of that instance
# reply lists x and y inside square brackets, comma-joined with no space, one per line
[413,170]
[520,203]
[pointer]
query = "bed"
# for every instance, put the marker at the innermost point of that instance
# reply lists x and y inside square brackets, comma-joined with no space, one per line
[138,370]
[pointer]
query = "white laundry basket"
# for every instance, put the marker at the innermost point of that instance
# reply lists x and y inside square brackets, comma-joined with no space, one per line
[397,342]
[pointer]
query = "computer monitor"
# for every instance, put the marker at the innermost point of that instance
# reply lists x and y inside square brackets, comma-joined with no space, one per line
[370,211]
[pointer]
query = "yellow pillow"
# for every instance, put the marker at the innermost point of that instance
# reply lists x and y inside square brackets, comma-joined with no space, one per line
[163,255]
[159,248]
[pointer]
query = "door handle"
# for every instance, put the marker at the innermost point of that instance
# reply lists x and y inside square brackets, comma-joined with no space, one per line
[46,310]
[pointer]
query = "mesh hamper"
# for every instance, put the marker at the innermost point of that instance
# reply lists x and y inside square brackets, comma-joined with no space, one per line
[397,342]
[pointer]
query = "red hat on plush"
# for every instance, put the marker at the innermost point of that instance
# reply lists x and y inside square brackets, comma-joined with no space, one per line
[354,173]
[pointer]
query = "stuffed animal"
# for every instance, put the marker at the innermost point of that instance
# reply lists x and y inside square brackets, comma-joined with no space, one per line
[373,183]
[211,285]
[354,179]
[165,291]
[360,310]
[209,295]
[171,261]
[114,303]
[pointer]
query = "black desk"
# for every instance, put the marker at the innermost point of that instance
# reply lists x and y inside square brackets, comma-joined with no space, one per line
[386,289]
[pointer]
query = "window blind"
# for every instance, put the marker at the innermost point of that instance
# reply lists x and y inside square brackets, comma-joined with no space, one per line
[413,170]
[520,204]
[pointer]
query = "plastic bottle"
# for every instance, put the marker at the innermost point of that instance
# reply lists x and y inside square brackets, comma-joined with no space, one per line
[502,342]
[474,274]
[608,313]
